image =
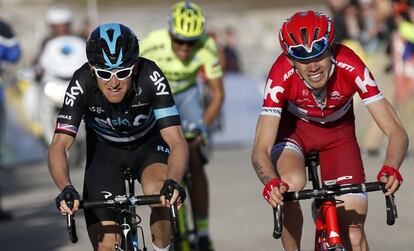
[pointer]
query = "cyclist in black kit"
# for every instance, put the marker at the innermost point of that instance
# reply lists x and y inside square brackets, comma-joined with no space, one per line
[131,121]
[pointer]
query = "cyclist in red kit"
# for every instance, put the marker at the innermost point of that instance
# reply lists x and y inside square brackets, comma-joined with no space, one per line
[308,105]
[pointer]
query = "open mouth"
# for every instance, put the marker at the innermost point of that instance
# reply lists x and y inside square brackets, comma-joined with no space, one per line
[114,91]
[316,77]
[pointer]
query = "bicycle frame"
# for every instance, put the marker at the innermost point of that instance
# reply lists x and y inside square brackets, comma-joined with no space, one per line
[130,220]
[326,226]
[326,220]
[327,235]
[187,238]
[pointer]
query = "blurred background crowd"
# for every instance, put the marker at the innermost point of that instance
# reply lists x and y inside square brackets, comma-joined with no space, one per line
[380,31]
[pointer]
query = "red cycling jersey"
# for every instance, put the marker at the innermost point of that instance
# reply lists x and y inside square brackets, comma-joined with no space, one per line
[328,125]
[285,89]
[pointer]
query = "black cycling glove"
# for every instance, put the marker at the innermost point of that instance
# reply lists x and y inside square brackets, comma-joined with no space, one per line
[169,187]
[68,192]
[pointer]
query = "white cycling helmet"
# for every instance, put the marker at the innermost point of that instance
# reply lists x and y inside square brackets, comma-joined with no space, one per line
[58,14]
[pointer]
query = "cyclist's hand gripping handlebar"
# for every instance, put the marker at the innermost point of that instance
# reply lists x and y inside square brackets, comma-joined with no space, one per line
[168,190]
[70,220]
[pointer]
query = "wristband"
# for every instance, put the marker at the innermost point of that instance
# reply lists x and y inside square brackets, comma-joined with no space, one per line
[272,184]
[389,171]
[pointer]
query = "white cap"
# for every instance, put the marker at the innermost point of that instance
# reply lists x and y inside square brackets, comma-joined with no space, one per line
[58,14]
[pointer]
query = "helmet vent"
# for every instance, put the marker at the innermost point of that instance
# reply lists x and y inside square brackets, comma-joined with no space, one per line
[304,33]
[110,33]
[317,31]
[293,38]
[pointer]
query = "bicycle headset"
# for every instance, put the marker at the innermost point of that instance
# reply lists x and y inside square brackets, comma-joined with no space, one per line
[306,35]
[112,46]
[186,21]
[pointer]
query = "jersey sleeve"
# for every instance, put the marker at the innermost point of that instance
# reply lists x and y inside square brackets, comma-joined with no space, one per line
[274,91]
[211,60]
[71,113]
[165,110]
[359,74]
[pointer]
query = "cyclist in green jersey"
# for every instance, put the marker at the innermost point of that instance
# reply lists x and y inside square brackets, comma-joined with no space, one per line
[181,51]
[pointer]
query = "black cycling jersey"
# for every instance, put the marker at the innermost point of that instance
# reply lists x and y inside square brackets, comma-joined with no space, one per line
[147,108]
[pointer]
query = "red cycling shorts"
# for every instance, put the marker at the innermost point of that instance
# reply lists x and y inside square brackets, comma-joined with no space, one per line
[339,153]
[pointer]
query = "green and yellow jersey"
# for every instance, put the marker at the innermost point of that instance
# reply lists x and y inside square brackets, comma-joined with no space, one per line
[156,46]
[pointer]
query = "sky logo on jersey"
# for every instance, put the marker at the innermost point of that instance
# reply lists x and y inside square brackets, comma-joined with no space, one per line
[273,91]
[362,84]
[111,123]
[161,87]
[71,96]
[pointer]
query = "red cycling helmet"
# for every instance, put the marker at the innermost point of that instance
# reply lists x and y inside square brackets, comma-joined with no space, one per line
[306,35]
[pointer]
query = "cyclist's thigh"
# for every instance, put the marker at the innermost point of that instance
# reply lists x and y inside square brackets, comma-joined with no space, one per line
[288,158]
[342,158]
[191,112]
[153,161]
[104,176]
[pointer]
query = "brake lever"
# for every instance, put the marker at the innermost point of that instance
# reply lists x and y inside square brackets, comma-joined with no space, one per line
[277,221]
[173,213]
[392,213]
[70,219]
[391,207]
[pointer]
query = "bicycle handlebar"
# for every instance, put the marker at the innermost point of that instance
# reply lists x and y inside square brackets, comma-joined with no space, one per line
[330,192]
[120,202]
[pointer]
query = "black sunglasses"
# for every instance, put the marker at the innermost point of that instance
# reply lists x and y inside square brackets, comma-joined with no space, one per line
[182,42]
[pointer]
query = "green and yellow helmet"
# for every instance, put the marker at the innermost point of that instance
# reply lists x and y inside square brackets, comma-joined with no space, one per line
[186,21]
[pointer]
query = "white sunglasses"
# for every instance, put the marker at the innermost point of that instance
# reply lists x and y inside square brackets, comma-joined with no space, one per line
[107,75]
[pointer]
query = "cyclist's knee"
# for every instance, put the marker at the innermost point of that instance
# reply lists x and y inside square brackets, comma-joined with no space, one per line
[295,182]
[104,235]
[357,237]
[153,178]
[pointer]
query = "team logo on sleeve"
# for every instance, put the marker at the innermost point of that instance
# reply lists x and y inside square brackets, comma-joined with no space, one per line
[273,91]
[74,92]
[158,82]
[362,84]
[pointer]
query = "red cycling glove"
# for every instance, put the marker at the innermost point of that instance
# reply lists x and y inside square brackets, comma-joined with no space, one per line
[389,171]
[270,185]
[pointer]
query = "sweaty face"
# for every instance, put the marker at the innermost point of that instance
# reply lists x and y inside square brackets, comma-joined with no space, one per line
[315,71]
[114,89]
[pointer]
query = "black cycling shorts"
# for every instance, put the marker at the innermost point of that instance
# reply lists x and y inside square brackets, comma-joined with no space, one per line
[105,166]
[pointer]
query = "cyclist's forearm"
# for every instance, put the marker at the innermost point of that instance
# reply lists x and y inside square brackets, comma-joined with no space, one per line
[213,109]
[263,167]
[58,167]
[177,162]
[397,148]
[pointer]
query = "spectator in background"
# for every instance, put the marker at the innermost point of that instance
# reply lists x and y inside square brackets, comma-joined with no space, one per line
[347,24]
[59,19]
[9,52]
[231,55]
